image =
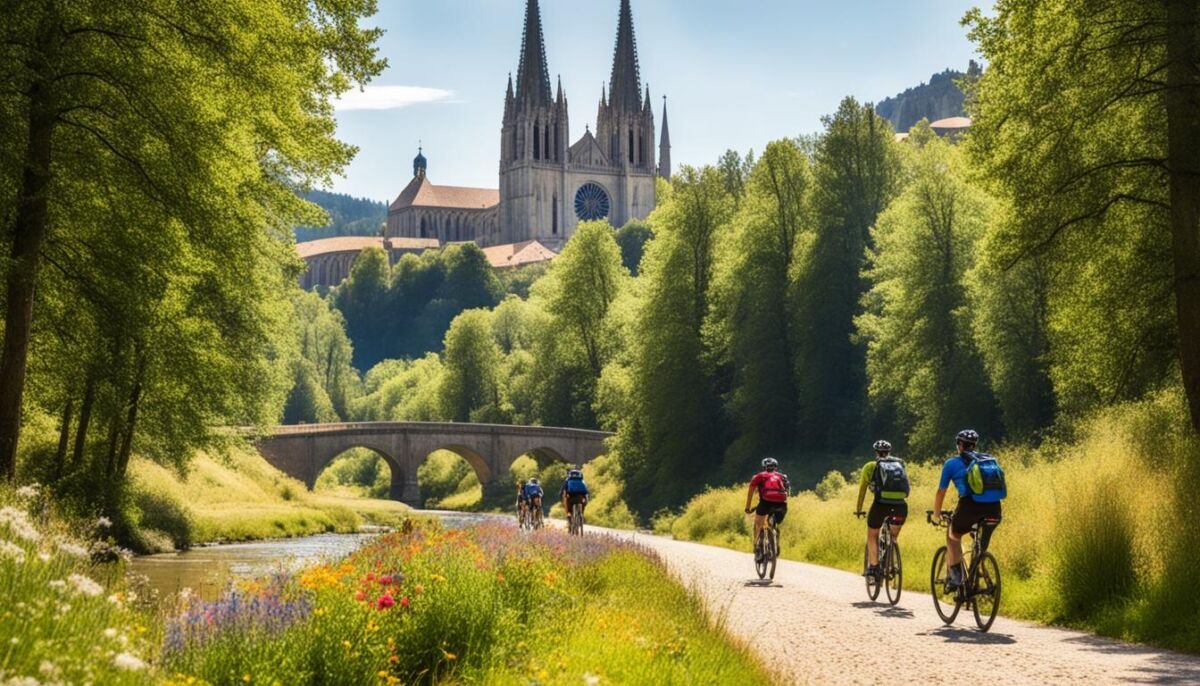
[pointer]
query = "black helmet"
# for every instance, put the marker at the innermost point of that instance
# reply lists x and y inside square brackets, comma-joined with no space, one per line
[533,480]
[770,463]
[882,446]
[967,437]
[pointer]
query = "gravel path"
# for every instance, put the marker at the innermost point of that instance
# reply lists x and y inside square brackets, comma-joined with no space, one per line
[815,625]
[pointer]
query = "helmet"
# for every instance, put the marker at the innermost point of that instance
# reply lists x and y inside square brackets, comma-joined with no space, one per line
[770,463]
[574,474]
[967,437]
[533,480]
[882,446]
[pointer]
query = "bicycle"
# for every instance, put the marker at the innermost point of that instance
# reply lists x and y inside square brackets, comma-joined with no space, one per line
[766,549]
[535,507]
[575,521]
[980,588]
[523,517]
[891,568]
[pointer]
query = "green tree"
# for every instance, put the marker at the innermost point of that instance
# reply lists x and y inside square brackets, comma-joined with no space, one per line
[170,120]
[363,301]
[752,323]
[856,173]
[307,402]
[918,324]
[632,239]
[470,382]
[1088,121]
[324,343]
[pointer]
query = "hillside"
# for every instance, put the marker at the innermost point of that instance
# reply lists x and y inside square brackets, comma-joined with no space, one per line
[349,216]
[938,99]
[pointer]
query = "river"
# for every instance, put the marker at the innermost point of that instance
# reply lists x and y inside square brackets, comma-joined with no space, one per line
[206,570]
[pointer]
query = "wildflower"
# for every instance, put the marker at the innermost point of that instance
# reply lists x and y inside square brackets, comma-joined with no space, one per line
[12,550]
[385,580]
[18,522]
[128,662]
[418,589]
[404,603]
[85,585]
[110,632]
[360,596]
[438,577]
[448,655]
[590,679]
[73,549]
[29,491]
[57,584]
[346,645]
[385,601]
[44,556]
[48,668]
[103,523]
[246,678]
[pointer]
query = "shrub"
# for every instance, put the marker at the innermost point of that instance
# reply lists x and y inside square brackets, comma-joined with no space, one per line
[831,485]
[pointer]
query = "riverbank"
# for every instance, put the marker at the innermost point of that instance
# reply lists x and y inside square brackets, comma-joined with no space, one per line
[237,496]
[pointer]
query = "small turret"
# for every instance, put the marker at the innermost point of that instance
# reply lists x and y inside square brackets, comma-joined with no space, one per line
[419,164]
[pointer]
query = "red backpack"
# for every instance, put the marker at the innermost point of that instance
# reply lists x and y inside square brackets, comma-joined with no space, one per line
[774,487]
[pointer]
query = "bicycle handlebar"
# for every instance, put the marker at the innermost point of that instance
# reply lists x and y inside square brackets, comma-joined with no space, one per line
[860,514]
[942,520]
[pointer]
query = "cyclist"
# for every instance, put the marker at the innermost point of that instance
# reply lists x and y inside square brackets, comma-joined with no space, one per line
[970,510]
[522,501]
[772,487]
[532,490]
[574,490]
[887,479]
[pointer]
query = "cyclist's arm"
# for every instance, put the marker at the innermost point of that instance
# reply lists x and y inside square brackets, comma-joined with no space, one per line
[864,479]
[750,492]
[937,503]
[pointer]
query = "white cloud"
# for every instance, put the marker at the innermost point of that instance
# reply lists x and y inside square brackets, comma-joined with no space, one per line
[390,97]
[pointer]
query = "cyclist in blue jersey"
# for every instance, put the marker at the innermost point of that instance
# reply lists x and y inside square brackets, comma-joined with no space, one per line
[971,509]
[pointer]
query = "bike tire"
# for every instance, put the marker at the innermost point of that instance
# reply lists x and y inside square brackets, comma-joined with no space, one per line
[893,575]
[772,553]
[872,580]
[985,593]
[947,606]
[760,555]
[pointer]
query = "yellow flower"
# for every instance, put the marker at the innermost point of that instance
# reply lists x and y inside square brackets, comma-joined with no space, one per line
[438,577]
[448,655]
[246,678]
[392,680]
[346,645]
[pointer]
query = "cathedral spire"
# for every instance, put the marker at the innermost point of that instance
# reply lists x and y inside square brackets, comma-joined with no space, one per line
[533,77]
[664,147]
[625,85]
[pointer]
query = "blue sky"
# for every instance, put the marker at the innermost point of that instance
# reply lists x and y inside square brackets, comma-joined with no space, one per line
[737,74]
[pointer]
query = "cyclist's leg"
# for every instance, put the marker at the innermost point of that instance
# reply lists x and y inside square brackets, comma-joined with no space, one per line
[900,514]
[760,522]
[875,518]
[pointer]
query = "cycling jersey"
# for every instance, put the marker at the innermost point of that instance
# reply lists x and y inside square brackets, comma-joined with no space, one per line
[563,491]
[955,470]
[771,486]
[531,491]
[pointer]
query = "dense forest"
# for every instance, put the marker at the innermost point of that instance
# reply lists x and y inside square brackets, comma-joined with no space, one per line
[348,216]
[940,98]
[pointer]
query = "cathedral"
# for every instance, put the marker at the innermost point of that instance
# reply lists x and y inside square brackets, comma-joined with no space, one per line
[547,184]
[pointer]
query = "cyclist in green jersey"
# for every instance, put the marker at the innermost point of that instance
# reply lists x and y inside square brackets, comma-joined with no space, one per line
[886,477]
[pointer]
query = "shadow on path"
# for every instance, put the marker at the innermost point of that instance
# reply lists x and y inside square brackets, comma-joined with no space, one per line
[1162,667]
[885,609]
[762,583]
[969,636]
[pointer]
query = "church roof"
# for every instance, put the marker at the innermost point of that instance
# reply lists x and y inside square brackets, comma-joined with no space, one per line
[517,254]
[421,193]
[625,84]
[587,151]
[327,246]
[533,76]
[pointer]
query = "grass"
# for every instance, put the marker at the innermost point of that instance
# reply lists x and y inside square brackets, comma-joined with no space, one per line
[239,497]
[1100,533]
[486,605]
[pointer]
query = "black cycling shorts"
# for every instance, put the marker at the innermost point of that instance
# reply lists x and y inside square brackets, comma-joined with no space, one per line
[881,511]
[573,498]
[968,513]
[766,507]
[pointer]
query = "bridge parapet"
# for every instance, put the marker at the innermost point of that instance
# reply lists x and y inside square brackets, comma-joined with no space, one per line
[303,451]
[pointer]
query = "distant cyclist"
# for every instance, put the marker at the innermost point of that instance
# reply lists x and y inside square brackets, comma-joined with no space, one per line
[772,487]
[886,477]
[532,491]
[574,490]
[974,504]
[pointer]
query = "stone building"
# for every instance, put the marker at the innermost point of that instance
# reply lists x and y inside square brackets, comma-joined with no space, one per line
[329,259]
[547,184]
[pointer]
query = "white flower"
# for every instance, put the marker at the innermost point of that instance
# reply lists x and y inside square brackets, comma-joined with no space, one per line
[58,584]
[103,523]
[590,679]
[44,556]
[29,491]
[48,668]
[12,550]
[20,681]
[115,600]
[18,522]
[85,585]
[73,549]
[110,632]
[129,662]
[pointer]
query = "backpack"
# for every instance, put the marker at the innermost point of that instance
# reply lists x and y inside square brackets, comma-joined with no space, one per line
[532,491]
[890,482]
[775,483]
[575,486]
[985,478]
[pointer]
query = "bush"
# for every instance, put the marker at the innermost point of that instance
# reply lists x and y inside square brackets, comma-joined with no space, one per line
[831,485]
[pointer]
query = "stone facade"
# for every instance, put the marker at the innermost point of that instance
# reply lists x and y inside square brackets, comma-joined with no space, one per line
[547,185]
[329,259]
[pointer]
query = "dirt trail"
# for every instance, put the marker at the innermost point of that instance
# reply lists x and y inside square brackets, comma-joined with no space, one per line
[815,625]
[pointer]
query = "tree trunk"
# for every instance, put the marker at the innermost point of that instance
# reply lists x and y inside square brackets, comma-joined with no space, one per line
[135,398]
[85,418]
[29,232]
[1183,160]
[64,438]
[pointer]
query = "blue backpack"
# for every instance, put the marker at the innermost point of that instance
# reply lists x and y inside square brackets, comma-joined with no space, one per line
[575,486]
[985,479]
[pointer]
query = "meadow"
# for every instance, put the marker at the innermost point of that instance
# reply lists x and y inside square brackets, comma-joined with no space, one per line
[1099,529]
[422,605]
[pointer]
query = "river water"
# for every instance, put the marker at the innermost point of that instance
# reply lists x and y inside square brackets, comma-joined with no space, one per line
[206,570]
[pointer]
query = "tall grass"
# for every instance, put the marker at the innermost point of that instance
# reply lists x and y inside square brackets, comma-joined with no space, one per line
[1102,532]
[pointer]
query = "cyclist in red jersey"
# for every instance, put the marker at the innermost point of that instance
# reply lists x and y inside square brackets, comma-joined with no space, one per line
[772,487]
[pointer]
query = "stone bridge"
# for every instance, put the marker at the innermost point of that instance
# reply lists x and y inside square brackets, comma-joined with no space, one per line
[303,451]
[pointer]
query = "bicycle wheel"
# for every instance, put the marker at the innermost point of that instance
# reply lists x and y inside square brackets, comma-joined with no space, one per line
[893,573]
[986,594]
[537,518]
[947,605]
[772,552]
[760,554]
[872,579]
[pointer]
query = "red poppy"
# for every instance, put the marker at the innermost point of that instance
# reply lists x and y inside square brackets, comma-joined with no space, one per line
[386,601]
